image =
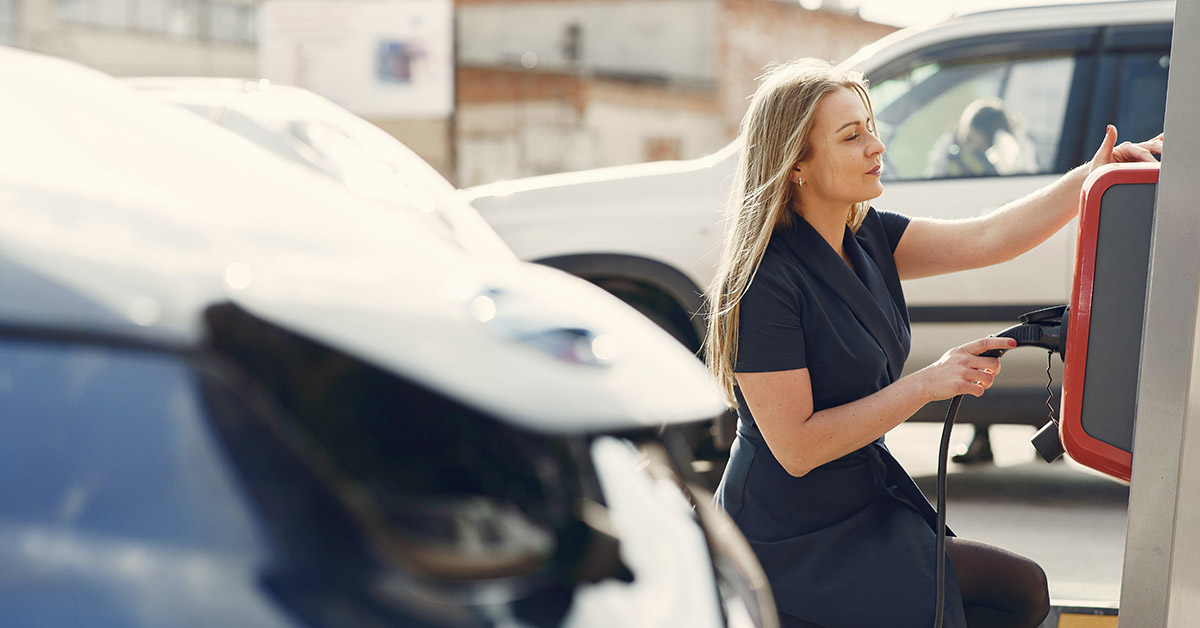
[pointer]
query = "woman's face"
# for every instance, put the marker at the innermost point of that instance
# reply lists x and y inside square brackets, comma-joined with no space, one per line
[845,158]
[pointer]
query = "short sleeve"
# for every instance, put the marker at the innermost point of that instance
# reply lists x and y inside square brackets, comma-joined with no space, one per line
[770,333]
[893,227]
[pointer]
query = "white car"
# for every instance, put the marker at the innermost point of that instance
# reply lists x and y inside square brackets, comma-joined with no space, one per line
[650,233]
[234,393]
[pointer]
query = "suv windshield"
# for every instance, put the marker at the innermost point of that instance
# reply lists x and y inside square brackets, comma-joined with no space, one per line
[990,117]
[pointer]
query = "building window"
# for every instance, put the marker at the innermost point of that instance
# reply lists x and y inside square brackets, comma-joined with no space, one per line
[235,23]
[152,15]
[77,11]
[114,13]
[211,20]
[183,19]
[8,22]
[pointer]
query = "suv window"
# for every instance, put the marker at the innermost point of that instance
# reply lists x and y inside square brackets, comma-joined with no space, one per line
[982,117]
[1142,98]
[114,442]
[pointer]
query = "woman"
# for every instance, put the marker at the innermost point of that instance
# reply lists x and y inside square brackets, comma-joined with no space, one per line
[808,335]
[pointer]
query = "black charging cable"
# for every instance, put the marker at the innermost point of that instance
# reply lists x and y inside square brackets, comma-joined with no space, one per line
[943,456]
[1041,328]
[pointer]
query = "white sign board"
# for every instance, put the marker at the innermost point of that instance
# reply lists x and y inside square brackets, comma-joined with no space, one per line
[380,59]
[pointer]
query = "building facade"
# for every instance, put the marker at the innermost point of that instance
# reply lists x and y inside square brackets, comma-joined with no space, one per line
[548,86]
[540,86]
[138,37]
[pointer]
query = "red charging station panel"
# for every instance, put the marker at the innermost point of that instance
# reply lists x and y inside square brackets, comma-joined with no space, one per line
[1104,327]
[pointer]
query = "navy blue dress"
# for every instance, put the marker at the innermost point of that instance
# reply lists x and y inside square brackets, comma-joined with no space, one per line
[850,544]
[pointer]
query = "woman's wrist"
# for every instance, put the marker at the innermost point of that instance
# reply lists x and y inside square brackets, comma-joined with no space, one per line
[920,389]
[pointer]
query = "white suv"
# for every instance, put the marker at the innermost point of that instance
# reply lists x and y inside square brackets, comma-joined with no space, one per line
[650,233]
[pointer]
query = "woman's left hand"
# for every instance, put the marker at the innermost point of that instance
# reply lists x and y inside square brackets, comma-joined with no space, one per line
[1110,153]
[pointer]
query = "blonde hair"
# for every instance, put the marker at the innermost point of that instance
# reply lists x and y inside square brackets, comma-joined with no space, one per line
[775,136]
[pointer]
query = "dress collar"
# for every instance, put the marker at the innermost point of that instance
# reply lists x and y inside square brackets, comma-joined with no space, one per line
[863,288]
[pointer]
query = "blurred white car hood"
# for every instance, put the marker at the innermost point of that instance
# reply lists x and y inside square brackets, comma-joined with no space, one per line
[656,178]
[120,215]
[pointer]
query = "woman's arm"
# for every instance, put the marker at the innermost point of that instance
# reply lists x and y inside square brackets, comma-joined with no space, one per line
[933,247]
[801,440]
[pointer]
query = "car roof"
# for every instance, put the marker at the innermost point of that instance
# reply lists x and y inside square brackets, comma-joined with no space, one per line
[125,217]
[1003,6]
[1000,20]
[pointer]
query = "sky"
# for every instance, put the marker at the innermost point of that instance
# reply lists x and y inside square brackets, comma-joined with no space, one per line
[901,12]
[910,12]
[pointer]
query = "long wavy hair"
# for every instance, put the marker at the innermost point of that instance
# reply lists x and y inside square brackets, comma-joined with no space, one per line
[775,136]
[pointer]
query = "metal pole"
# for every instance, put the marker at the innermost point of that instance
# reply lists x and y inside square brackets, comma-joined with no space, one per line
[1160,585]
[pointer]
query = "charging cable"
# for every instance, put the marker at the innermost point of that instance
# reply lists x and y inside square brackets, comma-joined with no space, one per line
[1041,328]
[943,455]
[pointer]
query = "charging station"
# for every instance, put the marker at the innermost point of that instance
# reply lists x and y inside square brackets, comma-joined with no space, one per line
[1106,316]
[1160,584]
[1099,335]
[1131,407]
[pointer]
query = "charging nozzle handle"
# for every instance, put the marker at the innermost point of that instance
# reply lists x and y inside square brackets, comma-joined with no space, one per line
[1044,328]
[1016,332]
[1045,335]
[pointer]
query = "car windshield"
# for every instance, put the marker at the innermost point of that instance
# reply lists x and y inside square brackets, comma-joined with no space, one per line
[359,154]
[112,442]
[308,129]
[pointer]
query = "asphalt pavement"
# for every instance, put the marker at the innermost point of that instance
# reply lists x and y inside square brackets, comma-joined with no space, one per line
[1068,518]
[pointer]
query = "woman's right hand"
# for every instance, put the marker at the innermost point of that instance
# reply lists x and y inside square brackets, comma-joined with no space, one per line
[962,370]
[1110,153]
